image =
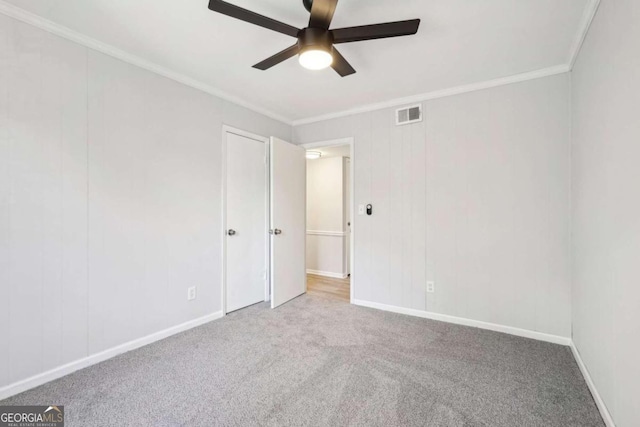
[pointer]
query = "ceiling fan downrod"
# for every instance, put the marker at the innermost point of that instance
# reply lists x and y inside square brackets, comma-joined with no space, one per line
[307,4]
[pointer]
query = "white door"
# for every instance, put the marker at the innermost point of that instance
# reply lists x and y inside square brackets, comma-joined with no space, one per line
[288,221]
[246,222]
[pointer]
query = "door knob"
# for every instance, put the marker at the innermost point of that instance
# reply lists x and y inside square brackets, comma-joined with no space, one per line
[231,232]
[275,231]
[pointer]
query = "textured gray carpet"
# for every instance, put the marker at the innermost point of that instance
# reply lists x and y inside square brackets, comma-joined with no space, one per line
[318,362]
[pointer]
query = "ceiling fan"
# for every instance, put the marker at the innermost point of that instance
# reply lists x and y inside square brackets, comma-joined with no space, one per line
[316,42]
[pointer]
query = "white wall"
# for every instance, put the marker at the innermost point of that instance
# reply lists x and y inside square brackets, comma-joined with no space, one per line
[325,216]
[476,197]
[109,200]
[606,207]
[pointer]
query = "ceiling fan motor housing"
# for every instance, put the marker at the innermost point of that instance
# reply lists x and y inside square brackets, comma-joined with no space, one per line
[315,38]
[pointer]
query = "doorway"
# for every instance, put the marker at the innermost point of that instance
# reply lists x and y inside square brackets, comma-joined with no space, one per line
[330,219]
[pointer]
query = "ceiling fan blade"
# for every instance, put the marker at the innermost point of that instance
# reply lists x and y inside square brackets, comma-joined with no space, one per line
[341,65]
[278,58]
[322,13]
[376,31]
[252,17]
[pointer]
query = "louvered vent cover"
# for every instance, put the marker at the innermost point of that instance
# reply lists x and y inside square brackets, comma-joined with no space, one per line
[407,115]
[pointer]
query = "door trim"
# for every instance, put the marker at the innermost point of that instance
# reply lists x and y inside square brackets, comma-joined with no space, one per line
[350,142]
[239,132]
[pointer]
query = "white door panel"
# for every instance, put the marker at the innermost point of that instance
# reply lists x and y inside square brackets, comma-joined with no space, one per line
[246,222]
[288,221]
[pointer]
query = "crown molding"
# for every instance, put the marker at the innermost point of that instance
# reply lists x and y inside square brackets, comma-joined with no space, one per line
[62,31]
[69,34]
[546,72]
[585,24]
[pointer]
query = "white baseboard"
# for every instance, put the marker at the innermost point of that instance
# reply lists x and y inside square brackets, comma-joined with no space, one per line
[541,336]
[61,371]
[327,274]
[604,412]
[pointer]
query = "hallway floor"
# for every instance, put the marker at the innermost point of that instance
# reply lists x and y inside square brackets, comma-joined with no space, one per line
[338,289]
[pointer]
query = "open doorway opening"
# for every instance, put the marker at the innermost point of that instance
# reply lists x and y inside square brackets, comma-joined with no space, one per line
[329,219]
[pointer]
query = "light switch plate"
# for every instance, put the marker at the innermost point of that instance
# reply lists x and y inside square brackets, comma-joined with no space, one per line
[360,209]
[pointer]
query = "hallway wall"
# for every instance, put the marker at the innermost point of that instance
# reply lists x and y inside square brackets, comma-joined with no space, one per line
[326,225]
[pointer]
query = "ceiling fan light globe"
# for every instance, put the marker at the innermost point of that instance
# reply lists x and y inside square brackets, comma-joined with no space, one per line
[315,59]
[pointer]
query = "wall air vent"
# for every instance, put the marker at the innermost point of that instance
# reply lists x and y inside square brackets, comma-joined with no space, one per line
[407,115]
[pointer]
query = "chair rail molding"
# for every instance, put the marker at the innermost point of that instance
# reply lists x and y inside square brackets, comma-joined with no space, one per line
[326,233]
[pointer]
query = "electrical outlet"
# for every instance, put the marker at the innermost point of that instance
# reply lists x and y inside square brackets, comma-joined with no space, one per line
[431,287]
[191,293]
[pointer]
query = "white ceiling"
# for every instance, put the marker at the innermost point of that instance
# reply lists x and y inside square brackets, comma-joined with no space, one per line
[460,42]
